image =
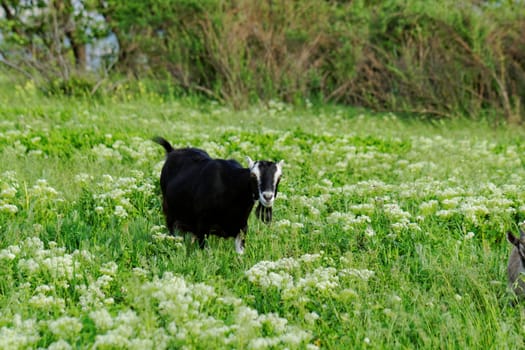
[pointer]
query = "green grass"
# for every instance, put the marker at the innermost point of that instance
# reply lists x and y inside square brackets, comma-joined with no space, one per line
[387,233]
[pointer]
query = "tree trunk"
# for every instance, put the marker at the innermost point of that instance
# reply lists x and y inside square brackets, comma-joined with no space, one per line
[79,52]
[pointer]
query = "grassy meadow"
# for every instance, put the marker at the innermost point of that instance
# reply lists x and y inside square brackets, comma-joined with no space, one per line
[387,232]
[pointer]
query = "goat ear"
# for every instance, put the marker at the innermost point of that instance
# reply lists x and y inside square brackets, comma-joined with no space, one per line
[280,164]
[512,239]
[251,163]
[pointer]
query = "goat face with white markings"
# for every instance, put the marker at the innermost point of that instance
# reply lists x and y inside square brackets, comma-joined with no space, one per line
[267,174]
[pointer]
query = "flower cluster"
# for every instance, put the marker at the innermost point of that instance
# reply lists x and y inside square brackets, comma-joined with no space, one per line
[136,149]
[306,278]
[44,194]
[190,313]
[119,196]
[163,312]
[8,190]
[21,334]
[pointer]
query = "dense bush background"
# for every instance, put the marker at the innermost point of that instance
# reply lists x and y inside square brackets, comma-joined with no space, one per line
[444,59]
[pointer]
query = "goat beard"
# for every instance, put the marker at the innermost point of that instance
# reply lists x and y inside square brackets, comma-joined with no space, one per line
[264,213]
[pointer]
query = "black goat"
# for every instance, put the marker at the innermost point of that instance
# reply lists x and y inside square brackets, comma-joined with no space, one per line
[202,195]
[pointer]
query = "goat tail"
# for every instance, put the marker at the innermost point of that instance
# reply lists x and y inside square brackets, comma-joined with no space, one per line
[164,143]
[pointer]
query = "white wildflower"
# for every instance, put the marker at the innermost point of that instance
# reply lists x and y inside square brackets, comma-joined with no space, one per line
[109,268]
[429,208]
[363,274]
[102,319]
[83,178]
[60,345]
[33,244]
[311,317]
[369,231]
[445,214]
[44,288]
[65,327]
[140,272]
[10,252]
[396,298]
[8,208]
[105,153]
[283,223]
[310,258]
[120,212]
[22,334]
[44,302]
[469,235]
[8,192]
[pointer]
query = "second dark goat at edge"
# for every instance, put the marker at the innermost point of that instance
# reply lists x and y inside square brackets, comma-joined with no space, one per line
[203,195]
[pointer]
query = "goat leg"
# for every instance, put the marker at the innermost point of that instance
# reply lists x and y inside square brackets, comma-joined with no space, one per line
[202,230]
[240,241]
[202,241]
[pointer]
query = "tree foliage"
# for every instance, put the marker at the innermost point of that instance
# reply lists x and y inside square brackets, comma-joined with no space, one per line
[49,36]
[439,58]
